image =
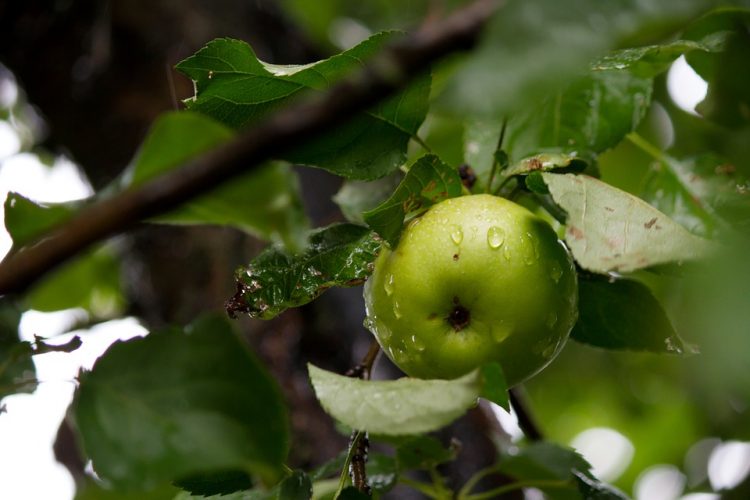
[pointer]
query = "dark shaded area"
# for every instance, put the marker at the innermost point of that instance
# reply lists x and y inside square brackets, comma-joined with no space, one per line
[100,72]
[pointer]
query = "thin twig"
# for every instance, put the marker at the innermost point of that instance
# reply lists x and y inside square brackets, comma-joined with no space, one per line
[526,421]
[500,139]
[386,74]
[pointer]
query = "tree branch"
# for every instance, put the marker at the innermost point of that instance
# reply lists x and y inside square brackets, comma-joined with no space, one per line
[383,76]
[526,420]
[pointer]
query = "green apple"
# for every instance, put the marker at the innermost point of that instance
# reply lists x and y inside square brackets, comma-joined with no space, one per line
[475,279]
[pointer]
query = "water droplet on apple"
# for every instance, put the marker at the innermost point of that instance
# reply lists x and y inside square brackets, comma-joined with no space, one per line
[418,343]
[549,351]
[556,272]
[551,319]
[388,285]
[498,333]
[506,253]
[495,237]
[457,235]
[396,309]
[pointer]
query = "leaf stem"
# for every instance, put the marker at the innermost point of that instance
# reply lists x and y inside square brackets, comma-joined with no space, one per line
[538,483]
[345,469]
[474,480]
[427,489]
[493,171]
[422,143]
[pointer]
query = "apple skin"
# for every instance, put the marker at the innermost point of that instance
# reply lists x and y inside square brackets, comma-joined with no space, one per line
[475,279]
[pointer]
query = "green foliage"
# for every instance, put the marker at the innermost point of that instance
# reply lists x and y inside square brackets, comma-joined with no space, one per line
[26,220]
[237,89]
[91,281]
[198,402]
[395,407]
[264,202]
[339,255]
[623,314]
[17,373]
[551,89]
[611,230]
[428,182]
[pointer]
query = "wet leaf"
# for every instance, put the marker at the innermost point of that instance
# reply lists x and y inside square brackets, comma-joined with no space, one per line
[703,193]
[610,230]
[589,116]
[239,90]
[545,162]
[395,407]
[651,60]
[339,255]
[177,403]
[623,314]
[428,182]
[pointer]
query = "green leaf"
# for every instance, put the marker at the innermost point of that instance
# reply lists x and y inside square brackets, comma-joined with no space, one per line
[382,472]
[26,219]
[17,373]
[549,463]
[589,116]
[296,486]
[546,162]
[234,87]
[93,490]
[544,461]
[610,230]
[216,483]
[591,489]
[727,73]
[530,49]
[494,387]
[264,202]
[177,403]
[395,407]
[701,193]
[423,452]
[90,281]
[330,468]
[338,255]
[356,197]
[480,144]
[623,314]
[651,60]
[428,181]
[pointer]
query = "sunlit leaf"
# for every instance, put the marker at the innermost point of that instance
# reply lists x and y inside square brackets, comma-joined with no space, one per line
[90,281]
[177,403]
[610,230]
[428,181]
[237,89]
[623,314]
[339,255]
[395,407]
[26,219]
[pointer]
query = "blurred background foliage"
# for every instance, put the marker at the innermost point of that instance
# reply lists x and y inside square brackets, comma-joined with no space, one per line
[673,410]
